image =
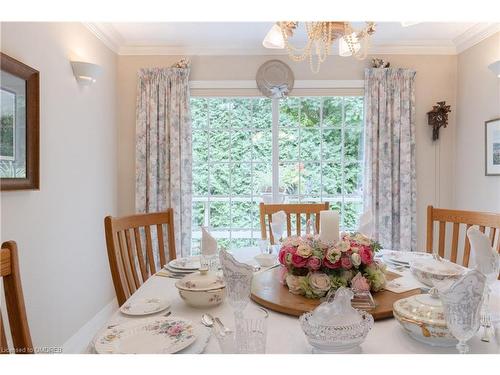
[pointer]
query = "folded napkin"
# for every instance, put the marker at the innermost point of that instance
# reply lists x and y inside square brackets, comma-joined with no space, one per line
[403,284]
[208,243]
[485,258]
[278,217]
[366,224]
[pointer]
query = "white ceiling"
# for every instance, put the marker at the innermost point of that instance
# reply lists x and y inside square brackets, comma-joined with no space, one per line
[240,38]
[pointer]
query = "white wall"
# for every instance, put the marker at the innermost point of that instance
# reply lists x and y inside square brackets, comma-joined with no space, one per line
[435,81]
[59,229]
[478,100]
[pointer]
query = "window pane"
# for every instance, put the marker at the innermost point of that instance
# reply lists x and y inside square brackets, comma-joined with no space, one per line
[262,145]
[289,177]
[198,214]
[219,113]
[199,113]
[242,213]
[352,212]
[289,144]
[310,112]
[332,111]
[262,114]
[289,112]
[353,144]
[200,179]
[353,110]
[310,179]
[220,215]
[310,144]
[220,142]
[263,179]
[200,146]
[241,179]
[241,145]
[241,115]
[353,179]
[332,179]
[219,179]
[332,144]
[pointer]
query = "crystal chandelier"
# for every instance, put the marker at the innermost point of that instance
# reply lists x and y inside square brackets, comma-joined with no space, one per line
[320,38]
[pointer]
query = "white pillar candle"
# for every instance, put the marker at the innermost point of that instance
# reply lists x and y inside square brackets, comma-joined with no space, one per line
[329,226]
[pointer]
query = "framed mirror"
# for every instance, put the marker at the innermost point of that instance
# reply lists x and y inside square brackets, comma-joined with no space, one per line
[19,125]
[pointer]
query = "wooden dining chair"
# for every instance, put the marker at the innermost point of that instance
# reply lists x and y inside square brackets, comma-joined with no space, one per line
[296,210]
[132,242]
[14,299]
[460,219]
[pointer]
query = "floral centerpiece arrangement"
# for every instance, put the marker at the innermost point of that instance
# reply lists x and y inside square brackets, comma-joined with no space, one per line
[313,268]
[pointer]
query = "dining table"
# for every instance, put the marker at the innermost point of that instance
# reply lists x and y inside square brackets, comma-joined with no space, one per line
[284,333]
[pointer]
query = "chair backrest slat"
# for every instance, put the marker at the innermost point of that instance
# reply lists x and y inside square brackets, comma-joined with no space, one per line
[132,245]
[460,219]
[14,299]
[297,210]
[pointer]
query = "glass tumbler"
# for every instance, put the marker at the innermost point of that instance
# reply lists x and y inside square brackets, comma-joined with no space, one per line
[251,330]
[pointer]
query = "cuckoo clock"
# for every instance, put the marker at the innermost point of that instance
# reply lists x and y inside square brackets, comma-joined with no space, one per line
[438,117]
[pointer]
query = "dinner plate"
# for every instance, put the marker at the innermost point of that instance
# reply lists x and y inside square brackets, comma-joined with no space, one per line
[157,335]
[404,257]
[186,263]
[178,271]
[144,306]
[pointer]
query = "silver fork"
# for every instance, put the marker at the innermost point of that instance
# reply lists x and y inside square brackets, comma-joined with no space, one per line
[487,328]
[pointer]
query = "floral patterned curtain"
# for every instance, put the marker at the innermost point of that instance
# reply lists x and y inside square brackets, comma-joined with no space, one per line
[163,148]
[390,177]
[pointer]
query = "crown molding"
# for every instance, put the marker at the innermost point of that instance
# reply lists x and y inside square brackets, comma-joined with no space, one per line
[114,41]
[475,35]
[414,48]
[106,34]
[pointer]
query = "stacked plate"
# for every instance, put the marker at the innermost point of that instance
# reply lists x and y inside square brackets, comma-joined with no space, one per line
[181,267]
[402,259]
[155,335]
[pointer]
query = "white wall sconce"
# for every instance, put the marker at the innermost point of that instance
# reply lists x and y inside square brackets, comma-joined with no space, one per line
[495,68]
[85,73]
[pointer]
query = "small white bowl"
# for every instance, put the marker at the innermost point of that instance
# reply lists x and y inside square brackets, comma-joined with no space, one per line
[265,260]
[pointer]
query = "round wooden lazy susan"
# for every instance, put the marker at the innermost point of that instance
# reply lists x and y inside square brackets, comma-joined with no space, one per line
[269,292]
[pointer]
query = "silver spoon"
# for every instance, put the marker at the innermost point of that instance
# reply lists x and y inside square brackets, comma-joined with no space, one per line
[207,320]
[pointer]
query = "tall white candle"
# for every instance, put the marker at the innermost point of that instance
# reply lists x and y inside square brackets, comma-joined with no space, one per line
[329,226]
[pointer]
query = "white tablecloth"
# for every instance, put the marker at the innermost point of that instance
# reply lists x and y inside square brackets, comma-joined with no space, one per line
[284,333]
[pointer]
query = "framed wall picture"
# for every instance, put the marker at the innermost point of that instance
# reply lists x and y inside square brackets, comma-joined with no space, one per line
[492,149]
[19,125]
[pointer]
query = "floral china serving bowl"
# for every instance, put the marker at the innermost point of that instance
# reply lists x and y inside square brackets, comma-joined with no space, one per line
[202,289]
[422,317]
[336,338]
[429,270]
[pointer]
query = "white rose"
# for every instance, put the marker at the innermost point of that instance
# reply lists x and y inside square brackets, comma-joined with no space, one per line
[356,259]
[305,251]
[343,246]
[293,283]
[320,282]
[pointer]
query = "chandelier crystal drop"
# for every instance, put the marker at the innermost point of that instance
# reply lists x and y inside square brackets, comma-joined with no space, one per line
[320,39]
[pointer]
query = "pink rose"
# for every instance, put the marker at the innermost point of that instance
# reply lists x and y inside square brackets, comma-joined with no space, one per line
[174,330]
[281,256]
[314,263]
[298,261]
[331,265]
[282,275]
[366,255]
[319,282]
[359,283]
[346,262]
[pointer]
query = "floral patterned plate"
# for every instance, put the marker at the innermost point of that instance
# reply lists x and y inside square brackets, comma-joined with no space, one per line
[187,263]
[158,335]
[404,257]
[144,306]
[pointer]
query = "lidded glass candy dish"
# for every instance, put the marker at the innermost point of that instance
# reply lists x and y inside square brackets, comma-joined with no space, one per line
[335,326]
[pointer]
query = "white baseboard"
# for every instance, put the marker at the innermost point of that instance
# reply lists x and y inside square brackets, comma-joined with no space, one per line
[80,340]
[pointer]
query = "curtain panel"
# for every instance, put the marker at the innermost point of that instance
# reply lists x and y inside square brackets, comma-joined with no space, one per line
[163,148]
[390,176]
